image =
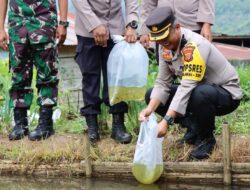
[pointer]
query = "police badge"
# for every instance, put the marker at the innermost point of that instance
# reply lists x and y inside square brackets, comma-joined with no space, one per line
[188,52]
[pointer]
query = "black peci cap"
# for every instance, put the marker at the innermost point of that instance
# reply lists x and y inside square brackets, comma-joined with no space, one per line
[159,23]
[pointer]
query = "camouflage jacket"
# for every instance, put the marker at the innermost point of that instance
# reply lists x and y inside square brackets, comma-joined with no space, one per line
[35,21]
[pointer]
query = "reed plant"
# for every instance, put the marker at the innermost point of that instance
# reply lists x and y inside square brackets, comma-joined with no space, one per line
[5,82]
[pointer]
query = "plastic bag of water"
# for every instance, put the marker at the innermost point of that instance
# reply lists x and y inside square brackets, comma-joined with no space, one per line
[127,71]
[148,161]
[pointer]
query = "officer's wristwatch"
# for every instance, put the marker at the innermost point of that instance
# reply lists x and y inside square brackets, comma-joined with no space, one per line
[133,24]
[64,23]
[169,119]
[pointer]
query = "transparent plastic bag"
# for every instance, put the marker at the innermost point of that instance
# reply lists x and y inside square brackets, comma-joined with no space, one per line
[148,161]
[127,71]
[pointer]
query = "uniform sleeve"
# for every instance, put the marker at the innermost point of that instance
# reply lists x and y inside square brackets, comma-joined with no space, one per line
[132,10]
[86,14]
[194,60]
[163,82]
[146,8]
[206,11]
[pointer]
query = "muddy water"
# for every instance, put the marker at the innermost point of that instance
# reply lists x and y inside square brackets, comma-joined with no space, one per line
[39,183]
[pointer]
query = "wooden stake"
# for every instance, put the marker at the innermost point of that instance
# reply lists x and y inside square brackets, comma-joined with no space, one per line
[88,166]
[227,179]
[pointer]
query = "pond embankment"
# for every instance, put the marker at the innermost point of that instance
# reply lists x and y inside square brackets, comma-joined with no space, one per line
[64,155]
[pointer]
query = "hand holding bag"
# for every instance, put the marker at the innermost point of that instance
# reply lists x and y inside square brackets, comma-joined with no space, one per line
[148,161]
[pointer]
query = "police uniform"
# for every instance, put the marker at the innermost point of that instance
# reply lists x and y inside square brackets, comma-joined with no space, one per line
[189,13]
[209,85]
[196,62]
[92,59]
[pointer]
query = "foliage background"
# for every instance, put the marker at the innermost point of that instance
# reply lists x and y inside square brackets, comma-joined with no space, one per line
[232,17]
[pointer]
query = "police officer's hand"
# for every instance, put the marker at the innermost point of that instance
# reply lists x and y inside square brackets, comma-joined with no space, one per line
[162,128]
[100,34]
[4,38]
[143,116]
[144,40]
[61,33]
[130,35]
[206,31]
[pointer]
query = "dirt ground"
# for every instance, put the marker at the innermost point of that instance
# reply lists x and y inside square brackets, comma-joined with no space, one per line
[70,148]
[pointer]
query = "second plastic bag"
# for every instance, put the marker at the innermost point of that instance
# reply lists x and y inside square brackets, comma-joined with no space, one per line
[148,162]
[127,71]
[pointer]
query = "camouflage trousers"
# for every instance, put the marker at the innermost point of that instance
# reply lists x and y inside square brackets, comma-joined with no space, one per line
[23,58]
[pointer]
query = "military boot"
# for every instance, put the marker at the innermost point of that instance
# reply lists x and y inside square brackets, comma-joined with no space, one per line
[45,125]
[190,135]
[21,124]
[93,128]
[119,133]
[204,147]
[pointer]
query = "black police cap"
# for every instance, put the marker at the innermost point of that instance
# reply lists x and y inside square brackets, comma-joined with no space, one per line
[159,23]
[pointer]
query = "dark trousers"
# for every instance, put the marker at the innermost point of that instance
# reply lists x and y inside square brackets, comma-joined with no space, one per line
[206,102]
[92,60]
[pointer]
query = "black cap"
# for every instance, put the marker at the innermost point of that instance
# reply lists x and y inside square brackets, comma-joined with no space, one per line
[159,23]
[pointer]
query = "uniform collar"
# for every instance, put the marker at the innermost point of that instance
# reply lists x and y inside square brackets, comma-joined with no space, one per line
[181,44]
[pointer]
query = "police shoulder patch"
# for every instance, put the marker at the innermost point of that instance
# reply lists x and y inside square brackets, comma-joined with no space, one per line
[166,54]
[194,65]
[188,52]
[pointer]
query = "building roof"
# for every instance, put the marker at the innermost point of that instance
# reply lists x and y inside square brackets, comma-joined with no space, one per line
[232,52]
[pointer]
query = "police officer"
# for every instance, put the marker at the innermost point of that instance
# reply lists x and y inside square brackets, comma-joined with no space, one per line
[33,28]
[196,15]
[209,85]
[96,21]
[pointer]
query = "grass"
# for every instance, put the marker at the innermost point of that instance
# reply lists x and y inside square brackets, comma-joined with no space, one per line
[244,73]
[67,145]
[53,150]
[71,122]
[70,149]
[5,112]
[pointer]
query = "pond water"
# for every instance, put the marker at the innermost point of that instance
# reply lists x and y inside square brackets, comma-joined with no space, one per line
[43,183]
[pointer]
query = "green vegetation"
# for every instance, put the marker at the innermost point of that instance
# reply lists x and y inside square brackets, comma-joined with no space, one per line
[5,112]
[67,145]
[71,122]
[232,17]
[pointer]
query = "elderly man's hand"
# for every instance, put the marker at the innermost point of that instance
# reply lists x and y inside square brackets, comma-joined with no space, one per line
[130,35]
[4,40]
[144,40]
[206,31]
[61,33]
[100,34]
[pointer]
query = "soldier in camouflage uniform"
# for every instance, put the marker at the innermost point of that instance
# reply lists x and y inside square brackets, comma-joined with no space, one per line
[33,30]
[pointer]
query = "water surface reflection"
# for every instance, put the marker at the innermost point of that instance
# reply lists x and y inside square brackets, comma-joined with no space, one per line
[41,183]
